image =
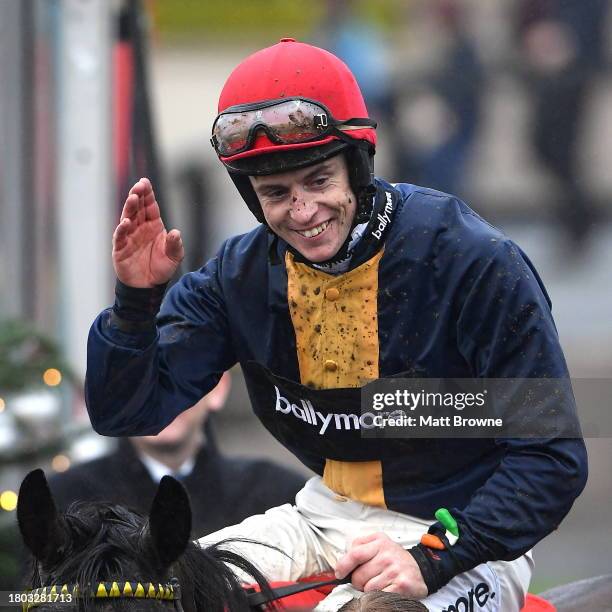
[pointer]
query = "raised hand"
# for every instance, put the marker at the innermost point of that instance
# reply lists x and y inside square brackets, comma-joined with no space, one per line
[144,253]
[377,563]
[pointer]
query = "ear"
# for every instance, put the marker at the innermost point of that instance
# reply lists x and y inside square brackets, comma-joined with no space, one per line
[170,520]
[41,527]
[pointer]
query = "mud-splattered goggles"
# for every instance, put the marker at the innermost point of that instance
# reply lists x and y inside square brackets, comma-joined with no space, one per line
[285,121]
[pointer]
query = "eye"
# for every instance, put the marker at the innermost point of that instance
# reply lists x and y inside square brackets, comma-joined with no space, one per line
[275,194]
[320,181]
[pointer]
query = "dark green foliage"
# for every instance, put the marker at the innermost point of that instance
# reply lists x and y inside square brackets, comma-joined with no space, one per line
[25,354]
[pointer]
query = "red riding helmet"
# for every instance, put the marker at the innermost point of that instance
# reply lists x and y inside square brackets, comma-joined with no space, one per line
[286,71]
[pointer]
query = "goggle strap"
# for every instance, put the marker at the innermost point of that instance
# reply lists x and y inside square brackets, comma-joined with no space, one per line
[357,123]
[360,144]
[349,128]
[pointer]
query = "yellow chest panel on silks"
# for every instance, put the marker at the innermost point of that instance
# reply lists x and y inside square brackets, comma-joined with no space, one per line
[335,319]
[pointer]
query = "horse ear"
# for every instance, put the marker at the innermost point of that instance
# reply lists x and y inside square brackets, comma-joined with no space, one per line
[170,520]
[39,523]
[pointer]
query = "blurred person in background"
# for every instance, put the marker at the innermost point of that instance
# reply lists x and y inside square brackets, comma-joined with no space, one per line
[562,43]
[361,43]
[223,490]
[443,104]
[346,279]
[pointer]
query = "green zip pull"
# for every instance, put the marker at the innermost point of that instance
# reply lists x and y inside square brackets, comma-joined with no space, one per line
[447,520]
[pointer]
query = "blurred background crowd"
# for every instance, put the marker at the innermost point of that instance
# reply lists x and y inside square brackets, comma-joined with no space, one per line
[506,103]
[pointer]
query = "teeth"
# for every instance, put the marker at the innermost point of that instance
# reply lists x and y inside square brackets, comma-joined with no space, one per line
[315,230]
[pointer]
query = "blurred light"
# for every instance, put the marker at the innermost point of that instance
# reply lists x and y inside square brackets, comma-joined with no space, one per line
[90,446]
[60,463]
[8,500]
[52,377]
[2,405]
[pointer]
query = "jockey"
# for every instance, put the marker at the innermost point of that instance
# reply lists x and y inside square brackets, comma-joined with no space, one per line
[348,278]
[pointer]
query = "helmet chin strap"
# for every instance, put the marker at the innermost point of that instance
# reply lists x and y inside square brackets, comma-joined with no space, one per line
[365,204]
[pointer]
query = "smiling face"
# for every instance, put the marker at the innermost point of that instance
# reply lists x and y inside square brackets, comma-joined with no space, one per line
[312,209]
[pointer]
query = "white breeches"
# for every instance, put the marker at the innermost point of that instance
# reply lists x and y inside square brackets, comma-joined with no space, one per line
[319,529]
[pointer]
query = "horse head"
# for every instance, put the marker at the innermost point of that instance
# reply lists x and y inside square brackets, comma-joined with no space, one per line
[107,557]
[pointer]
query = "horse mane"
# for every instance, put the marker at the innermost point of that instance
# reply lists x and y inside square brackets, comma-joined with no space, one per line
[108,542]
[220,583]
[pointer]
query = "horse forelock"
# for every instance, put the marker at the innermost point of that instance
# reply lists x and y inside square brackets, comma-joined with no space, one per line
[104,541]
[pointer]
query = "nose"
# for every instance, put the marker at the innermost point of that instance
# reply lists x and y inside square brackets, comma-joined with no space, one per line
[303,207]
